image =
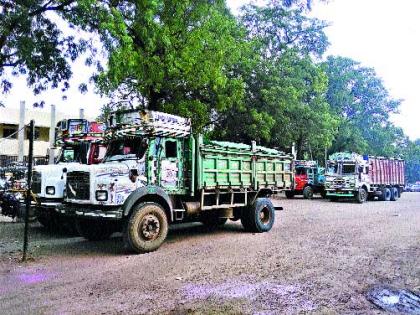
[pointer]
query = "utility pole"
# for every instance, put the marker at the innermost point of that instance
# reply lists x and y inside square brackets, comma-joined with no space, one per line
[52,136]
[21,133]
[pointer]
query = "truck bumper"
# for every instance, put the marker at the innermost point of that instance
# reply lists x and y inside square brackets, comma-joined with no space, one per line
[336,193]
[111,213]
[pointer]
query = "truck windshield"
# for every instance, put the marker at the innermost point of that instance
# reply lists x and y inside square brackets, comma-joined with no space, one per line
[74,153]
[126,149]
[348,169]
[300,171]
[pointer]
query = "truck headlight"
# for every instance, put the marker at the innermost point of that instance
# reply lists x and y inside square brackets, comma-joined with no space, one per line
[50,190]
[101,195]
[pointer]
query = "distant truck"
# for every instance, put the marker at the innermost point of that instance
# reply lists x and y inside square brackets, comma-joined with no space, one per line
[351,175]
[80,142]
[309,180]
[156,173]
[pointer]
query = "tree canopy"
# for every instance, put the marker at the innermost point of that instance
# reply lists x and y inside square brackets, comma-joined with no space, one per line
[261,76]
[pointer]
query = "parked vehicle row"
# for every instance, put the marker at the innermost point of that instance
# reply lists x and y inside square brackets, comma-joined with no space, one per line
[156,172]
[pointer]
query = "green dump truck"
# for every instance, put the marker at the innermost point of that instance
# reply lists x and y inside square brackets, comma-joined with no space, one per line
[156,172]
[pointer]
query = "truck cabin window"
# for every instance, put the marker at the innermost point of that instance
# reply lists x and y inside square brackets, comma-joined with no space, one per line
[332,169]
[74,153]
[300,171]
[170,149]
[348,168]
[124,149]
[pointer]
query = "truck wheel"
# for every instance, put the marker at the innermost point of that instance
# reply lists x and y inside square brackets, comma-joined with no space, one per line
[394,194]
[212,221]
[333,198]
[323,194]
[361,195]
[308,192]
[45,221]
[290,194]
[258,217]
[146,228]
[386,194]
[93,230]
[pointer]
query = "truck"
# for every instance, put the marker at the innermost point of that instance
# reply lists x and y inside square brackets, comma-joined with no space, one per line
[156,172]
[364,177]
[309,180]
[80,142]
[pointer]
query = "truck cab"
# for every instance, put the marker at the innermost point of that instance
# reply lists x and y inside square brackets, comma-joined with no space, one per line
[79,142]
[309,180]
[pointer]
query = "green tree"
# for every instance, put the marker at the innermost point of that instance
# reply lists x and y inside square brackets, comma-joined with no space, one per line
[359,98]
[174,55]
[33,44]
[285,95]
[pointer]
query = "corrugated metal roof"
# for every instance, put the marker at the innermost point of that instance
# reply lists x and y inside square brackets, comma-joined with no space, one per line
[41,116]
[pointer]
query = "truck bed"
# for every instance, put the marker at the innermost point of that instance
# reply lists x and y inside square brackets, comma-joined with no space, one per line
[236,165]
[384,171]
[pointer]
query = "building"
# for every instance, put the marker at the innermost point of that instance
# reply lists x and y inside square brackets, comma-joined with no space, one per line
[9,126]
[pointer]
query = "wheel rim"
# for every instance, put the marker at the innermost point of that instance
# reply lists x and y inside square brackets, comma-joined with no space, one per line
[149,228]
[265,215]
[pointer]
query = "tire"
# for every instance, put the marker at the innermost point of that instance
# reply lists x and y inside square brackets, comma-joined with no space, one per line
[386,194]
[258,217]
[146,229]
[394,194]
[290,194]
[308,192]
[212,221]
[333,198]
[323,194]
[93,230]
[362,195]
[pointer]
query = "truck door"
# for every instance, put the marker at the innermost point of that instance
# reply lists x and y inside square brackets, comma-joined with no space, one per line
[171,165]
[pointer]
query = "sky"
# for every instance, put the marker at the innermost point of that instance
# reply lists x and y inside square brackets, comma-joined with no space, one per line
[382,34]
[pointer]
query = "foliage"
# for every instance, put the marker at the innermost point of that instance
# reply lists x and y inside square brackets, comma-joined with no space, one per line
[364,106]
[176,56]
[33,44]
[285,94]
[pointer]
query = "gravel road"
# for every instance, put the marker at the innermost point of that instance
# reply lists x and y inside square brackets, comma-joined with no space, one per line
[320,257]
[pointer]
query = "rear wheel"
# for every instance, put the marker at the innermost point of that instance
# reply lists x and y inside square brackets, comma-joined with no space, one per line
[308,192]
[361,195]
[146,229]
[258,217]
[93,230]
[323,193]
[290,194]
[394,194]
[386,194]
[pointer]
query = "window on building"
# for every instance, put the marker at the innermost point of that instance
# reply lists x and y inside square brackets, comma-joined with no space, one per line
[36,133]
[10,132]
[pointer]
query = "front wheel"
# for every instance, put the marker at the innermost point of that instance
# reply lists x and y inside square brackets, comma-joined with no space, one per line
[258,217]
[308,192]
[361,195]
[146,229]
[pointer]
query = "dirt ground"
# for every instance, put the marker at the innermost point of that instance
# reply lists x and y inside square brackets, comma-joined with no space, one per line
[320,257]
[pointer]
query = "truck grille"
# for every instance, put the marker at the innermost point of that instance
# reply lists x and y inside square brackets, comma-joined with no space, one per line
[77,185]
[339,182]
[36,183]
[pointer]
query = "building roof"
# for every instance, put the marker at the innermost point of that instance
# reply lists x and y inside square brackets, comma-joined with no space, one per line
[42,117]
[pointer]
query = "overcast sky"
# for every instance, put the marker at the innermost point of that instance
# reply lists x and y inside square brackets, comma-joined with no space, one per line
[383,34]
